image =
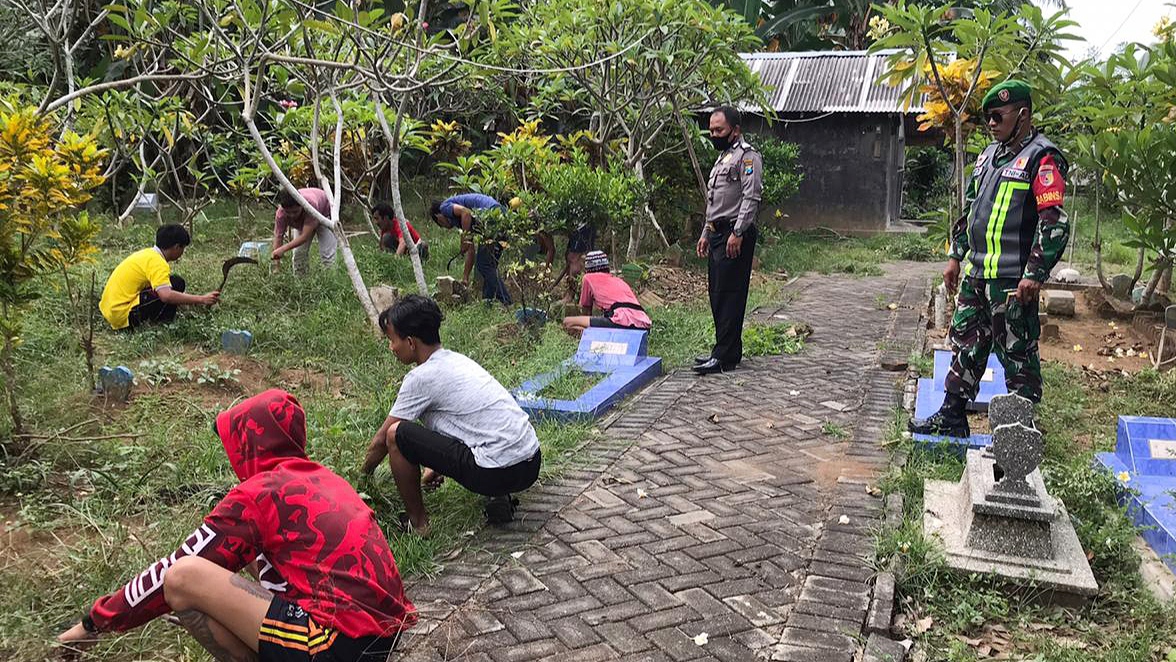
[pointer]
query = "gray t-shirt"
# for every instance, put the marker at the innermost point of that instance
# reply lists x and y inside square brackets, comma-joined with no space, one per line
[451,394]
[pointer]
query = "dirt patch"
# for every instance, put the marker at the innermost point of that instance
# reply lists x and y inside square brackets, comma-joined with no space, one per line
[828,472]
[1096,343]
[679,285]
[227,378]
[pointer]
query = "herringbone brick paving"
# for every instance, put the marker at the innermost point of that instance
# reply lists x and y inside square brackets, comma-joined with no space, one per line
[711,505]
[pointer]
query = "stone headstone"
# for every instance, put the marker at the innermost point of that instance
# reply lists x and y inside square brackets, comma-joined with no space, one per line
[1170,317]
[1120,286]
[650,300]
[236,341]
[1059,302]
[1018,450]
[1051,332]
[1067,275]
[383,296]
[1009,408]
[675,256]
[116,383]
[1137,294]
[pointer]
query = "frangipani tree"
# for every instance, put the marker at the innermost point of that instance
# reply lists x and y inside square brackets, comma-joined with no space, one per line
[639,65]
[1132,144]
[987,44]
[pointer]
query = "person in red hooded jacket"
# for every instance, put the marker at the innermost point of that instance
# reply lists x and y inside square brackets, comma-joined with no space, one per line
[328,588]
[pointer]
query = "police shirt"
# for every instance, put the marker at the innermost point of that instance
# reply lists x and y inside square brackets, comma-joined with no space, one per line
[735,187]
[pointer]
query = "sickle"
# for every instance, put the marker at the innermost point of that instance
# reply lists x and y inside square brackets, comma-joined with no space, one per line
[229,264]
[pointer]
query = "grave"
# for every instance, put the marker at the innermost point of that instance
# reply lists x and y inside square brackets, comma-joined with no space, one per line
[252,249]
[929,398]
[1058,302]
[236,341]
[116,383]
[1144,462]
[620,355]
[999,519]
[146,202]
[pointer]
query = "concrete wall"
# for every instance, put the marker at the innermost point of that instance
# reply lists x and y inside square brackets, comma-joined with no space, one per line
[852,164]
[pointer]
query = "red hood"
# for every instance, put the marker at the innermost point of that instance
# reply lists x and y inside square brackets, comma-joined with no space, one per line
[262,432]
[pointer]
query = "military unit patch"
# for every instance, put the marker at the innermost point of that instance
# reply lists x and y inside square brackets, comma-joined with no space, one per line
[1015,173]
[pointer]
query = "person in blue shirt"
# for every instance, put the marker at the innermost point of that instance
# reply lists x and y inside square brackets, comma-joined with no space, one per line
[460,212]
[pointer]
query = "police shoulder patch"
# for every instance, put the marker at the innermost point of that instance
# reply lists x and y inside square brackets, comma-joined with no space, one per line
[748,170]
[980,160]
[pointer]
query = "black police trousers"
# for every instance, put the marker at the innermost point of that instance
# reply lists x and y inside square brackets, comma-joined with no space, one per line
[728,280]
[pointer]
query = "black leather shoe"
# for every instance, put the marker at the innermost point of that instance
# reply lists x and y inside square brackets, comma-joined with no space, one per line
[712,366]
[941,424]
[699,360]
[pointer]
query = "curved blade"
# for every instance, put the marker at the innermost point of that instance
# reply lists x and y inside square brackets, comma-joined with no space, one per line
[229,264]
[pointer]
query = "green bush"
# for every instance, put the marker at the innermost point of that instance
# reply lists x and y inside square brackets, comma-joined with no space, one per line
[927,183]
[770,339]
[572,194]
[782,176]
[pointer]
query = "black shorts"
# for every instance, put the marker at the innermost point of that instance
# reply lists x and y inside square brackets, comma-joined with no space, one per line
[606,323]
[582,240]
[289,634]
[453,459]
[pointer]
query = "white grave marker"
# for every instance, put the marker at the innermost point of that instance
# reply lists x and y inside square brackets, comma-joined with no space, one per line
[1163,449]
[605,347]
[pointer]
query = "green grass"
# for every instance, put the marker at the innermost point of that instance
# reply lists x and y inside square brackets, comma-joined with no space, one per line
[99,511]
[1124,623]
[571,384]
[826,252]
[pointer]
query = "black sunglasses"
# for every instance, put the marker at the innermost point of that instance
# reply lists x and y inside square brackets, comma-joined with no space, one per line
[997,116]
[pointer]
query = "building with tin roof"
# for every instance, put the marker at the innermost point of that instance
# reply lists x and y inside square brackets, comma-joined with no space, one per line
[852,131]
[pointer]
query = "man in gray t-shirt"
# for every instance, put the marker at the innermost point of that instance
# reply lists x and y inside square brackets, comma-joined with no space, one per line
[470,429]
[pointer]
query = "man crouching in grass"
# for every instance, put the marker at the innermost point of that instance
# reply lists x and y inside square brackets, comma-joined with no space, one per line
[470,429]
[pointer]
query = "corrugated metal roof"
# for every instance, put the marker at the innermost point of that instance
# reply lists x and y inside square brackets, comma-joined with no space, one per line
[827,82]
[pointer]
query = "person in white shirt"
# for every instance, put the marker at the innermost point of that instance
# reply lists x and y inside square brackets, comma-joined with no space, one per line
[471,429]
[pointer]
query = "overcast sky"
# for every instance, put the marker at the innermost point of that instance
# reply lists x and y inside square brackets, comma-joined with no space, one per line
[1107,23]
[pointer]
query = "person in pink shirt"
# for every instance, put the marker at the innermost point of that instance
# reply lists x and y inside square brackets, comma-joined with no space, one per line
[601,289]
[303,227]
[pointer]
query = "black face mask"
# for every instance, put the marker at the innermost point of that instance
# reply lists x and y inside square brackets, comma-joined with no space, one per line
[721,143]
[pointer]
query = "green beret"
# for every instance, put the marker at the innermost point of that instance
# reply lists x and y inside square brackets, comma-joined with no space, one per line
[1010,91]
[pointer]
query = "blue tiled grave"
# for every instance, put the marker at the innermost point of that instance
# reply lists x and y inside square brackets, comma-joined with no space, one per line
[618,354]
[1144,461]
[930,394]
[992,383]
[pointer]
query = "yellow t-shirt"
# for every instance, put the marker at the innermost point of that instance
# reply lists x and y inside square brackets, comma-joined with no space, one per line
[145,269]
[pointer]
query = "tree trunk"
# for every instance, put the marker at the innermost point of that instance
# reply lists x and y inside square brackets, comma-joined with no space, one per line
[6,360]
[959,169]
[1098,268]
[638,166]
[1161,267]
[1138,270]
[393,139]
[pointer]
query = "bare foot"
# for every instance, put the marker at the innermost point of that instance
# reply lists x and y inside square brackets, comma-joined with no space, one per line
[412,525]
[431,480]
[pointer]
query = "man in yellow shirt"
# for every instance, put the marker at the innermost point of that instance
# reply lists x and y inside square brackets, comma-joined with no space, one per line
[142,288]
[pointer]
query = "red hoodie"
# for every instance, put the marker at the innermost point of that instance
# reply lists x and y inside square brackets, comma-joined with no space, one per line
[322,547]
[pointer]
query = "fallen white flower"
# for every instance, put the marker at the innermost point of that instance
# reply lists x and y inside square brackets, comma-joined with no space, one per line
[844,519]
[641,494]
[517,555]
[701,639]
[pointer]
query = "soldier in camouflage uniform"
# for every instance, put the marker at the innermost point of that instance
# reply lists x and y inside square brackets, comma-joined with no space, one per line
[1012,236]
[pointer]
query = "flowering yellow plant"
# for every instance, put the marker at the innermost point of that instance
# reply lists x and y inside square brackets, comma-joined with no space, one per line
[956,78]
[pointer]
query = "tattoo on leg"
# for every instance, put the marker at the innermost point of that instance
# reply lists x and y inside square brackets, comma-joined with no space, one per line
[252,588]
[198,625]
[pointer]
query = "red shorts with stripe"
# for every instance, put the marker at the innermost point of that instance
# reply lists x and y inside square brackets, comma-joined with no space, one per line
[289,634]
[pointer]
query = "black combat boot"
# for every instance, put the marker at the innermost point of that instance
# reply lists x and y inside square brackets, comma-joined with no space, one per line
[950,421]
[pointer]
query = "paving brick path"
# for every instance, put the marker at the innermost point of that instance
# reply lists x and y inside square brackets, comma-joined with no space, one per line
[710,505]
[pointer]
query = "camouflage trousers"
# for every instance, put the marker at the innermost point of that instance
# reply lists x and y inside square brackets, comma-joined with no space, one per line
[987,315]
